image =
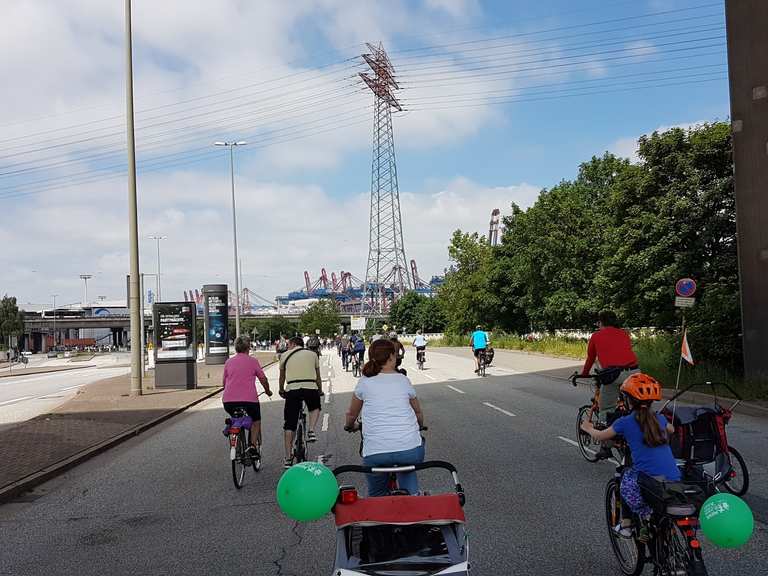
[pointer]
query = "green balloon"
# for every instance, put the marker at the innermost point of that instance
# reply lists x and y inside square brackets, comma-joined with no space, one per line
[307,491]
[726,520]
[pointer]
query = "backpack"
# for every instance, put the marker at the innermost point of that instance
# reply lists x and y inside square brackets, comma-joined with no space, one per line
[314,342]
[358,344]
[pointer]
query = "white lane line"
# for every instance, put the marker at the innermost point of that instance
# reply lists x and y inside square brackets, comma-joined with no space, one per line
[428,376]
[326,417]
[455,389]
[573,443]
[499,409]
[15,400]
[71,387]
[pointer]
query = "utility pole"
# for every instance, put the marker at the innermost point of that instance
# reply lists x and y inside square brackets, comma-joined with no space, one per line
[134,298]
[747,25]
[231,146]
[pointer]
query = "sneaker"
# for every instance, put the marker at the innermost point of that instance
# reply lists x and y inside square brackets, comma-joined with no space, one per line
[287,463]
[623,529]
[311,436]
[252,451]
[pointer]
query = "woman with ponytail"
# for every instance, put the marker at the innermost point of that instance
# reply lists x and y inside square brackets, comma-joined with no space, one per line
[391,415]
[647,435]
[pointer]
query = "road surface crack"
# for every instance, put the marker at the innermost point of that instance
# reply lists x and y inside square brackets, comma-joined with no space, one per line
[284,550]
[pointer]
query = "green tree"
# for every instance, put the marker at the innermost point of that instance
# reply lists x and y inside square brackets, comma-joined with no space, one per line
[322,315]
[465,297]
[417,312]
[11,319]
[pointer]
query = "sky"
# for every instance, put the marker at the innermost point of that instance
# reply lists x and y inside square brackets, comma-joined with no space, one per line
[501,99]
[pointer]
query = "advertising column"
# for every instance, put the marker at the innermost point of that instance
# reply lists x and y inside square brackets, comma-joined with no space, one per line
[216,315]
[175,345]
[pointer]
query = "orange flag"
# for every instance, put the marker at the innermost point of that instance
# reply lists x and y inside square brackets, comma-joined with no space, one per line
[686,351]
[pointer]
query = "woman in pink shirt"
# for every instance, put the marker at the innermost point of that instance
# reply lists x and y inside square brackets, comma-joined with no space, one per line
[240,373]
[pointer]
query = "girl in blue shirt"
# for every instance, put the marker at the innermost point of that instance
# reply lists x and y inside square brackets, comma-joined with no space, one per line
[647,435]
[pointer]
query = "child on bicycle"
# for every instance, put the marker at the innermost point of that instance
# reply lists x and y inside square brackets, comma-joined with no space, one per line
[647,435]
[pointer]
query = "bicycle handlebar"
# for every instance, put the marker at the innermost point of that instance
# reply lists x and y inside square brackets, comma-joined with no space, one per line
[578,376]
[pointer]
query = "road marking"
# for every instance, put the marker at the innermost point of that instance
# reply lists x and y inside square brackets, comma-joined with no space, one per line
[71,387]
[573,443]
[15,400]
[499,409]
[326,417]
[428,376]
[455,389]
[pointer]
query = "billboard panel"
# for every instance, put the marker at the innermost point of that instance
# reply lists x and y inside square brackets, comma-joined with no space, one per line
[174,330]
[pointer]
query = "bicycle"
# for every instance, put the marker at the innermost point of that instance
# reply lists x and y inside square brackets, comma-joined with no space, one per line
[590,412]
[356,370]
[672,546]
[239,441]
[482,361]
[420,358]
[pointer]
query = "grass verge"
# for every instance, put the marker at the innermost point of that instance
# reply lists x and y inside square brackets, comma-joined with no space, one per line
[657,355]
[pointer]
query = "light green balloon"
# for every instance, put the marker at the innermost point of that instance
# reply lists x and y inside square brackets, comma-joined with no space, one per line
[726,521]
[307,491]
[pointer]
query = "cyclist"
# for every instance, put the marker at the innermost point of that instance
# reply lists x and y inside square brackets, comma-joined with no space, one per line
[380,333]
[647,435]
[420,343]
[282,346]
[392,416]
[612,348]
[345,350]
[400,352]
[357,344]
[479,341]
[313,343]
[300,381]
[239,381]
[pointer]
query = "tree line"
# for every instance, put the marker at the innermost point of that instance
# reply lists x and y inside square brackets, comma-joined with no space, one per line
[617,236]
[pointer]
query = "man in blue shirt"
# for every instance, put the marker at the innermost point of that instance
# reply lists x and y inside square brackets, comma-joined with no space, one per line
[479,342]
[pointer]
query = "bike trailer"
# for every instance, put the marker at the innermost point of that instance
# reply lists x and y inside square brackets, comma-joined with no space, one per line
[700,434]
[403,535]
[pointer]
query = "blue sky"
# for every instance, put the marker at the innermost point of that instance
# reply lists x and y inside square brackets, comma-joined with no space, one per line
[491,119]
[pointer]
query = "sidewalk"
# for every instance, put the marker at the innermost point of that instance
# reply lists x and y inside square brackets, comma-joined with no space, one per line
[99,417]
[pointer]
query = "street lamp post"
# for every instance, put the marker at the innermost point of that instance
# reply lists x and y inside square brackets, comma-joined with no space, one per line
[231,146]
[134,297]
[54,319]
[85,278]
[157,239]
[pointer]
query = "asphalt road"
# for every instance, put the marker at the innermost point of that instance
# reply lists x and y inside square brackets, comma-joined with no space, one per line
[164,502]
[24,397]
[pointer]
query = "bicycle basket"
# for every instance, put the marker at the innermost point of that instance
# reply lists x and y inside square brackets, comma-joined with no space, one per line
[671,498]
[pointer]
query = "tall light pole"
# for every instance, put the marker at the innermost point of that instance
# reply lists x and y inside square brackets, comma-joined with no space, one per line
[134,296]
[85,278]
[231,146]
[54,320]
[157,239]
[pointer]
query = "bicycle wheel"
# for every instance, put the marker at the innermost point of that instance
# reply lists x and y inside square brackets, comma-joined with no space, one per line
[627,551]
[256,457]
[238,462]
[738,482]
[585,440]
[482,364]
[672,552]
[299,447]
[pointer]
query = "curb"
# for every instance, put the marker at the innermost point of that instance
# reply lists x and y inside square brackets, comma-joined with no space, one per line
[13,490]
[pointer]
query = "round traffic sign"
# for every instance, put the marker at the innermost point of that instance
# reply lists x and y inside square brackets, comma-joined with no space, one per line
[685,287]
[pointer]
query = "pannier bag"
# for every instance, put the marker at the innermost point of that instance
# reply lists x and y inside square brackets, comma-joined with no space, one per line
[673,498]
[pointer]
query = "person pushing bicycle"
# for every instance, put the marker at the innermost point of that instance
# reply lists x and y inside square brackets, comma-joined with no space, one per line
[612,348]
[300,381]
